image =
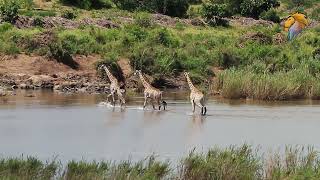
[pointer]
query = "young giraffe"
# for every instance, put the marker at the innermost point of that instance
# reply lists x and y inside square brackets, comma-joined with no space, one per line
[151,92]
[196,96]
[114,87]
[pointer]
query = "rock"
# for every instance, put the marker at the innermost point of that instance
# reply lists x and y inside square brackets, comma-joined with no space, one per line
[52,22]
[41,81]
[29,95]
[82,90]
[23,86]
[197,22]
[2,93]
[57,87]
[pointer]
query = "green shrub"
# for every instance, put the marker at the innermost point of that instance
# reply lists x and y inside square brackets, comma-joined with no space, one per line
[194,11]
[164,37]
[270,15]
[249,8]
[315,14]
[143,20]
[9,10]
[211,9]
[253,8]
[89,4]
[42,13]
[176,8]
[5,27]
[26,4]
[69,14]
[38,21]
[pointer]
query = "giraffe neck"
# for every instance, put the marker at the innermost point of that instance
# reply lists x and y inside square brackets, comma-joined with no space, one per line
[110,76]
[144,82]
[191,86]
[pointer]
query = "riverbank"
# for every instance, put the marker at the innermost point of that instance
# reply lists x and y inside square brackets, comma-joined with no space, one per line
[60,48]
[243,162]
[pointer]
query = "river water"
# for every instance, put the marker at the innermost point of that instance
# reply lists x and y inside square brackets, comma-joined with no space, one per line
[48,125]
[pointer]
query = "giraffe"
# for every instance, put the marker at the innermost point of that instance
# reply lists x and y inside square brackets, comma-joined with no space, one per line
[151,92]
[114,87]
[196,96]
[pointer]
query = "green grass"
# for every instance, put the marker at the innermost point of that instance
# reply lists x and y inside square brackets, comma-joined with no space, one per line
[236,162]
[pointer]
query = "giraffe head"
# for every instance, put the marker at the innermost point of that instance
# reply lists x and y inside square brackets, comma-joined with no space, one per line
[186,74]
[102,66]
[137,72]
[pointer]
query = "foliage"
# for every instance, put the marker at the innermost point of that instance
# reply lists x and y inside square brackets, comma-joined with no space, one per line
[143,20]
[316,14]
[9,10]
[38,21]
[270,15]
[235,162]
[211,9]
[249,8]
[194,11]
[89,4]
[176,8]
[42,13]
[69,14]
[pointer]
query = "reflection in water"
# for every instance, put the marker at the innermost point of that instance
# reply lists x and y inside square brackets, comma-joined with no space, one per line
[196,126]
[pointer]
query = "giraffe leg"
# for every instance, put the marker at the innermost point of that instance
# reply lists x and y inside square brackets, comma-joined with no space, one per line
[204,108]
[159,104]
[152,102]
[200,106]
[145,101]
[113,100]
[108,97]
[193,106]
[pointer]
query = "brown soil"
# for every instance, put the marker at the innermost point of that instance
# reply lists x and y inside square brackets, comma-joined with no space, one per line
[36,65]
[29,72]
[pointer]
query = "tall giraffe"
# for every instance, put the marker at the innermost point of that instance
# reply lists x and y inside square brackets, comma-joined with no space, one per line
[114,87]
[151,92]
[196,96]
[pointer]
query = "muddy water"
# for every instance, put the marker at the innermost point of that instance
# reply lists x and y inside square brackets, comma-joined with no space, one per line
[46,124]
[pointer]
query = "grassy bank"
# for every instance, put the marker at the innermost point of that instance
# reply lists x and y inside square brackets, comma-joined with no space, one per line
[256,64]
[242,162]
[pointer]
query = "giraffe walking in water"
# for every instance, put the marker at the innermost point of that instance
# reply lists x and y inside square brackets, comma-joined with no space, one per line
[114,87]
[196,96]
[151,92]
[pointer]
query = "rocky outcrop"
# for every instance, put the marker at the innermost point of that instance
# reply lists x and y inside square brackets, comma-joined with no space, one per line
[52,22]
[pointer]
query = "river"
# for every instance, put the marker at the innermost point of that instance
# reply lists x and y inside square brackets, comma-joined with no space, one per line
[49,125]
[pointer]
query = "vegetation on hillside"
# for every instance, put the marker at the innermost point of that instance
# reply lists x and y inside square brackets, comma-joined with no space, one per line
[243,163]
[256,65]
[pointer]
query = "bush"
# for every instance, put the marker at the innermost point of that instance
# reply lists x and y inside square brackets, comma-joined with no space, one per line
[249,8]
[270,15]
[194,11]
[89,4]
[9,10]
[42,13]
[177,8]
[38,21]
[253,8]
[69,14]
[211,9]
[316,14]
[214,13]
[5,27]
[143,20]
